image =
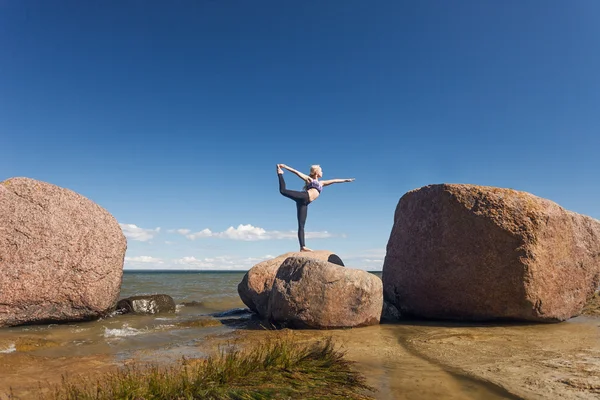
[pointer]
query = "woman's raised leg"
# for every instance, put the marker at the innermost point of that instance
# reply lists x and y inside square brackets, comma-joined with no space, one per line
[290,194]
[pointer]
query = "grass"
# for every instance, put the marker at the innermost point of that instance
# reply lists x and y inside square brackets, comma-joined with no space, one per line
[275,369]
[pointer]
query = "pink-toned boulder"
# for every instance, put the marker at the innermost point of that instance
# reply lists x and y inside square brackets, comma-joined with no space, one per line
[482,253]
[309,293]
[61,255]
[255,286]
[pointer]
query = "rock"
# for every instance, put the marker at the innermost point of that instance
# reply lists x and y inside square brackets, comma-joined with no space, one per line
[593,306]
[147,304]
[482,253]
[255,286]
[390,312]
[61,255]
[310,293]
[231,313]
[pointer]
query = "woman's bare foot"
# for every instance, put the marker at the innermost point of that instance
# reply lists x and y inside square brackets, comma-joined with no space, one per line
[305,249]
[279,170]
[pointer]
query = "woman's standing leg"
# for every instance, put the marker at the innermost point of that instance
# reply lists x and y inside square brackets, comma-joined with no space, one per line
[302,200]
[302,209]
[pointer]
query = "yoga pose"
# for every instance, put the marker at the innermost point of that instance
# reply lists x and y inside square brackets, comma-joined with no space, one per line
[312,190]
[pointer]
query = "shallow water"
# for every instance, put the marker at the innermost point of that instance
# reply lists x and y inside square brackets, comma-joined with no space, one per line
[197,295]
[409,360]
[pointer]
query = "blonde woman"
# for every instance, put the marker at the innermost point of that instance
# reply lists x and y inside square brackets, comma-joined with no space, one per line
[312,190]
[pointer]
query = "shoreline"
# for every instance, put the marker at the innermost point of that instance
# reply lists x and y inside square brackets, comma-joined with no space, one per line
[424,359]
[492,361]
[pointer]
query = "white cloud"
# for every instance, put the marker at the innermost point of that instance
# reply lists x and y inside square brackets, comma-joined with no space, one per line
[373,253]
[220,263]
[193,261]
[251,233]
[244,232]
[201,234]
[180,231]
[364,261]
[316,235]
[134,232]
[371,259]
[143,259]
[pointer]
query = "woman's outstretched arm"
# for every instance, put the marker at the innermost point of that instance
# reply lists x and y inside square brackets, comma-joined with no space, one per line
[302,176]
[332,181]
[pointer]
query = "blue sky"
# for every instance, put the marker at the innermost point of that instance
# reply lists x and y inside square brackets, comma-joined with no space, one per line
[172,115]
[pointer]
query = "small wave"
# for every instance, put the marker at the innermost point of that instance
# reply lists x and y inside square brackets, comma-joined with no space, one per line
[9,349]
[125,331]
[164,326]
[114,313]
[81,342]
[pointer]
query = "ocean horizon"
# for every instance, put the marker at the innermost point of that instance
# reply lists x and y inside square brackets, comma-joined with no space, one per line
[178,271]
[399,358]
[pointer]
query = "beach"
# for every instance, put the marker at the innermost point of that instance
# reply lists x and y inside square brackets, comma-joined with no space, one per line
[404,360]
[242,186]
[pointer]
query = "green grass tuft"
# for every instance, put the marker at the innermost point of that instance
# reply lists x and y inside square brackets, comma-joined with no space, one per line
[276,369]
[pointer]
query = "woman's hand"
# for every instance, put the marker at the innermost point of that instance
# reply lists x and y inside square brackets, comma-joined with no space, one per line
[349,180]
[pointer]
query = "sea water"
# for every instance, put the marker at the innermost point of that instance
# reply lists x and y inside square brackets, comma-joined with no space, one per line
[209,310]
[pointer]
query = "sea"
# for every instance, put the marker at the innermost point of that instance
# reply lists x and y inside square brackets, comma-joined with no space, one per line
[199,296]
[210,314]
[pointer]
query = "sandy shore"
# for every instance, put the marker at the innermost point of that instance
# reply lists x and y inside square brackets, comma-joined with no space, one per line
[409,360]
[532,362]
[424,360]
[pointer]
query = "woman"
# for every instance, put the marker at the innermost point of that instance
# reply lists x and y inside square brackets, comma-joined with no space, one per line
[312,190]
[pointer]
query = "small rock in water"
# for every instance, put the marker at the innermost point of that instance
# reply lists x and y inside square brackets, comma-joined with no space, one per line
[147,304]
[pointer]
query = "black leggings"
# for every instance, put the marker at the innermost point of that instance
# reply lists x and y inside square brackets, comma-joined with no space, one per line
[302,201]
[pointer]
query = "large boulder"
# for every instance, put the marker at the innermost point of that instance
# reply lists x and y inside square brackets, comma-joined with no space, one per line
[309,293]
[482,253]
[256,285]
[61,255]
[593,306]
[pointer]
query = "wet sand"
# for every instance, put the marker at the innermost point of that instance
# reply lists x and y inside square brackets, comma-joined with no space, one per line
[409,360]
[394,370]
[531,361]
[427,360]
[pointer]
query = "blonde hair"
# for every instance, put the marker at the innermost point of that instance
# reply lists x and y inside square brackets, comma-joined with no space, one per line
[314,169]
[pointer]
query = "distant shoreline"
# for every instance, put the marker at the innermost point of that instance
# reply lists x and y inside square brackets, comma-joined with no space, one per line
[189,271]
[179,271]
